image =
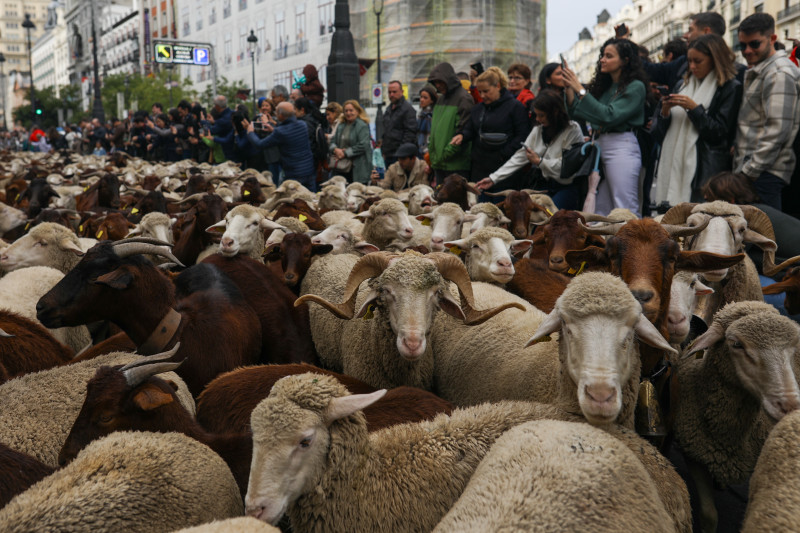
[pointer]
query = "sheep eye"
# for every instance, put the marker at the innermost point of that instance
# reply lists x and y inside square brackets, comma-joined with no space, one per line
[305,443]
[736,344]
[105,419]
[692,284]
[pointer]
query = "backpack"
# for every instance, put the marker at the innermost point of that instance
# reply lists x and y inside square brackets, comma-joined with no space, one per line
[319,146]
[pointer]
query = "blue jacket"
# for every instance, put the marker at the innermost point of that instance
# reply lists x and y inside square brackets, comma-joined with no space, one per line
[222,130]
[291,138]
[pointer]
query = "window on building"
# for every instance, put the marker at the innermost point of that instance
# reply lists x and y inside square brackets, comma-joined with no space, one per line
[300,26]
[228,48]
[199,14]
[240,55]
[281,38]
[261,33]
[212,15]
[242,5]
[283,78]
[187,24]
[226,8]
[12,25]
[325,12]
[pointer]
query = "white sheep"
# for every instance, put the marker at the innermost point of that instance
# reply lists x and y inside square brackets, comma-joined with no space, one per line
[289,190]
[390,348]
[242,524]
[343,217]
[385,222]
[685,288]
[155,226]
[243,231]
[774,499]
[420,199]
[343,240]
[356,192]
[731,398]
[488,254]
[10,218]
[554,476]
[40,408]
[21,290]
[333,197]
[313,459]
[487,215]
[48,244]
[288,225]
[446,223]
[129,481]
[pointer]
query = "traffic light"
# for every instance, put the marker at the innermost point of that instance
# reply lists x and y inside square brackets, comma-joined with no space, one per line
[37,107]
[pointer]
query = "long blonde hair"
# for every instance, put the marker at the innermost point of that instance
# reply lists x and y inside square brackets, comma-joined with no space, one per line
[494,76]
[722,57]
[360,110]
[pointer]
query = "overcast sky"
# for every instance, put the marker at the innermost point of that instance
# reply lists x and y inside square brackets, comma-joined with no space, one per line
[566,18]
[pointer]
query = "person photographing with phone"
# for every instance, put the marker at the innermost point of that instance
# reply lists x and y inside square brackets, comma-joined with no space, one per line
[613,103]
[543,149]
[697,122]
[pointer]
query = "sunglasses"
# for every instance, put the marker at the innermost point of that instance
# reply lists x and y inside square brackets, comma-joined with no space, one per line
[754,45]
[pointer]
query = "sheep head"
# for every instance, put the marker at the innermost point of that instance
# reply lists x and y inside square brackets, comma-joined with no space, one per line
[598,320]
[292,434]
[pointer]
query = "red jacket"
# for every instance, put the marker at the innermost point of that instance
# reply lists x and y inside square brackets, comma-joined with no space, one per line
[525,96]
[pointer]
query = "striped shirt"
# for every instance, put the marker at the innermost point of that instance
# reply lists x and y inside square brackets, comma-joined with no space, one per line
[769,118]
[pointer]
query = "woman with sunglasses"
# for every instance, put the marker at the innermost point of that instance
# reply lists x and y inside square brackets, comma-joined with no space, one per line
[613,104]
[697,122]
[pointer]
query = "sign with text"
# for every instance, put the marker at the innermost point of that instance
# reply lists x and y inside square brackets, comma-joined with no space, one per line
[183,54]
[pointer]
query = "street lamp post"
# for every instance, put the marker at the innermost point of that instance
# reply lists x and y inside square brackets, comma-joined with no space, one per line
[97,107]
[377,8]
[127,92]
[342,68]
[252,41]
[3,82]
[29,25]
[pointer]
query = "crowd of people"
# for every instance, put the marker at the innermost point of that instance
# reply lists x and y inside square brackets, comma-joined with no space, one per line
[662,130]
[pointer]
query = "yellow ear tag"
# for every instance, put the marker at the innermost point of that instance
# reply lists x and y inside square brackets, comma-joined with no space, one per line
[546,338]
[246,193]
[99,234]
[548,211]
[134,211]
[574,272]
[17,198]
[369,315]
[80,228]
[301,217]
[455,250]
[85,189]
[699,354]
[28,225]
[426,222]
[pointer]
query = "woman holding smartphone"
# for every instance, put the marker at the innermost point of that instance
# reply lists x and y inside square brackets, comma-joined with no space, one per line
[696,123]
[543,148]
[613,104]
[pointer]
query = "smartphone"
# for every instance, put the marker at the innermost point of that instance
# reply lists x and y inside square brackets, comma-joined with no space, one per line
[527,148]
[563,61]
[621,30]
[664,90]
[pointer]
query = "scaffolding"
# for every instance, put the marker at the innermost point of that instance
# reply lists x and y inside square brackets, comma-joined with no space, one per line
[416,35]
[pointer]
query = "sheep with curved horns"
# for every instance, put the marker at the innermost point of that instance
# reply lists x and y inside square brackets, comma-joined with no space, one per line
[156,226]
[790,285]
[385,222]
[488,254]
[47,244]
[243,231]
[40,408]
[743,384]
[774,498]
[130,481]
[402,297]
[446,222]
[343,240]
[553,476]
[729,228]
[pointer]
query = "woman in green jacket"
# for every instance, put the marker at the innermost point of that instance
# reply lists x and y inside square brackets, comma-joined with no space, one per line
[352,142]
[613,104]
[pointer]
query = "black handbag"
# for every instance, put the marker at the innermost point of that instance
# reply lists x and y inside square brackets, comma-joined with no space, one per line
[575,164]
[491,139]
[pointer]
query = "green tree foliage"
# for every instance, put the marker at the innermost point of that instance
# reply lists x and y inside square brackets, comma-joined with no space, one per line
[145,90]
[227,89]
[68,100]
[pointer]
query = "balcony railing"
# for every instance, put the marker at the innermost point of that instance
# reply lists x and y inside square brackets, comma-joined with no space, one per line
[791,10]
[291,49]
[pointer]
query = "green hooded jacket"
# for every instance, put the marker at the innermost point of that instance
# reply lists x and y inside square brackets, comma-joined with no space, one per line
[450,115]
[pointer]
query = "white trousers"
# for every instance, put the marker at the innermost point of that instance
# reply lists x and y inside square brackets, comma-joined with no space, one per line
[622,161]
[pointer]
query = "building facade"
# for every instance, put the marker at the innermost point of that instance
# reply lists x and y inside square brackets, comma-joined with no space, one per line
[582,57]
[51,51]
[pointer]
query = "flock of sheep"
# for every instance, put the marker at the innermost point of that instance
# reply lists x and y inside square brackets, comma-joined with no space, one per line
[200,350]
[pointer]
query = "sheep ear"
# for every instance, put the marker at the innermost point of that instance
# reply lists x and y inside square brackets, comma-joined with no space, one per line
[470,217]
[504,220]
[451,306]
[759,240]
[150,397]
[364,216]
[648,334]
[365,248]
[521,246]
[550,324]
[347,405]
[219,227]
[708,339]
[66,244]
[321,249]
[700,288]
[365,307]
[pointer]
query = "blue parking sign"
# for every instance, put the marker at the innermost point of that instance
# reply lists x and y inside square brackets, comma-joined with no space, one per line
[201,56]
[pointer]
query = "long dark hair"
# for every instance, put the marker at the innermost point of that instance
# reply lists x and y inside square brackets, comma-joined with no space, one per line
[631,68]
[545,73]
[551,103]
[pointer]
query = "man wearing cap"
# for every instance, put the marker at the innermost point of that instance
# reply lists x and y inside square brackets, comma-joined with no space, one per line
[409,170]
